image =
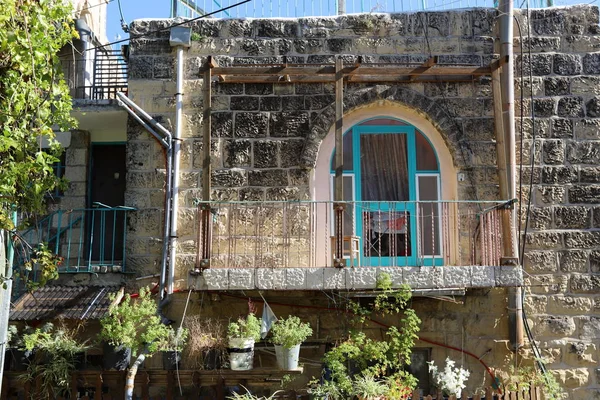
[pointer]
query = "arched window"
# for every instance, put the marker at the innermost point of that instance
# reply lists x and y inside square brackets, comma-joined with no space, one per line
[392,179]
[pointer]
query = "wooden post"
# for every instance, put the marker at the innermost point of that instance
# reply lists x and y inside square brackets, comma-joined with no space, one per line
[206,165]
[339,164]
[170,385]
[74,385]
[98,392]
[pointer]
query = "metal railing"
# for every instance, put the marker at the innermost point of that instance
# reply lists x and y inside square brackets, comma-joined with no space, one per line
[86,240]
[99,77]
[312,8]
[301,234]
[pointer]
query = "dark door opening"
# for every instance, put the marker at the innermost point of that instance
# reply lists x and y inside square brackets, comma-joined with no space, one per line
[107,185]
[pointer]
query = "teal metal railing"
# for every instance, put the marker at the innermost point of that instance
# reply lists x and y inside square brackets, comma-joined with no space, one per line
[87,240]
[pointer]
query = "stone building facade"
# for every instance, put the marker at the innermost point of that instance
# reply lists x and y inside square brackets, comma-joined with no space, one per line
[266,145]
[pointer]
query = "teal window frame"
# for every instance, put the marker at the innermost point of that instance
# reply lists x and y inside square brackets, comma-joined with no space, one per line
[410,206]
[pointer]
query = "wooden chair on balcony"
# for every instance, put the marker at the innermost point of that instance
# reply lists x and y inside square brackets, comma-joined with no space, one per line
[351,250]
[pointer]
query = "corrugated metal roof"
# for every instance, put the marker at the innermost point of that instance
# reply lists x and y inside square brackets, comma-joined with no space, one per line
[68,302]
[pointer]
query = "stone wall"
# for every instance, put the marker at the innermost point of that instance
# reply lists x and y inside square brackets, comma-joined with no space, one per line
[266,138]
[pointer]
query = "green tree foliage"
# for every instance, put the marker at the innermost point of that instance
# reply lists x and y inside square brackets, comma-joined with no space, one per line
[34,100]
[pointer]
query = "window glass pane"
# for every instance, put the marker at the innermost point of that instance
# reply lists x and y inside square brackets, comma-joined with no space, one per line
[386,232]
[384,167]
[429,216]
[348,163]
[349,227]
[426,159]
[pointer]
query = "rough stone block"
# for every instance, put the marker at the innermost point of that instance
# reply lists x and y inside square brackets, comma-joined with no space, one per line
[582,240]
[554,152]
[270,103]
[571,107]
[587,129]
[541,261]
[268,177]
[237,153]
[572,217]
[251,125]
[217,278]
[295,278]
[361,278]
[572,305]
[229,178]
[585,284]
[584,194]
[222,124]
[586,85]
[334,278]
[244,103]
[567,64]
[590,327]
[591,63]
[291,123]
[508,276]
[270,278]
[457,277]
[593,107]
[544,107]
[562,128]
[315,278]
[423,277]
[558,175]
[241,279]
[266,153]
[589,174]
[557,86]
[543,240]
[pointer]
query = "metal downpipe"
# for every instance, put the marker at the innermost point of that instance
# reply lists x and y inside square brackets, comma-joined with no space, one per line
[176,163]
[515,308]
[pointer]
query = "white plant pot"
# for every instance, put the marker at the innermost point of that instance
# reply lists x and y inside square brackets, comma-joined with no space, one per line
[241,354]
[287,359]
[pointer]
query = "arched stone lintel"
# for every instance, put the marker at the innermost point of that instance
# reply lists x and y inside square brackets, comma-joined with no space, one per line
[427,108]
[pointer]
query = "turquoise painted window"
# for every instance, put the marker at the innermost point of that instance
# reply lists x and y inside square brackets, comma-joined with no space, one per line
[391,176]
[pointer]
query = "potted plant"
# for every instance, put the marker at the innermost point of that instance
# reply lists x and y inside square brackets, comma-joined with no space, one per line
[134,324]
[172,348]
[288,334]
[242,334]
[206,347]
[58,355]
[366,387]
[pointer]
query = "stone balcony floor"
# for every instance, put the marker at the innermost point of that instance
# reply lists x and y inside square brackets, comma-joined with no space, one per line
[360,278]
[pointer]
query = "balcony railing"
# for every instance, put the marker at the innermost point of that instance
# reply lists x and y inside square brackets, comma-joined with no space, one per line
[87,240]
[99,77]
[300,234]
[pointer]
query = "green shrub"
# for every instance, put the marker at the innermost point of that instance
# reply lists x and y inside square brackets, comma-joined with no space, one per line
[290,332]
[248,327]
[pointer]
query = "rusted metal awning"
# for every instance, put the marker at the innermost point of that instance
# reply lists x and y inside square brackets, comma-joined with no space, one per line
[66,302]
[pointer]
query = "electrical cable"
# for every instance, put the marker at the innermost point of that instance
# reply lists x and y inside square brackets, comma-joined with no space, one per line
[123,23]
[170,26]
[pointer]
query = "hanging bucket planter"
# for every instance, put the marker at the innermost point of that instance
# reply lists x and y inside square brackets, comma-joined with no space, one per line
[287,359]
[241,353]
[115,358]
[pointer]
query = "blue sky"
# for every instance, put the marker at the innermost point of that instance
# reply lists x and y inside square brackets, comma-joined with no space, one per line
[136,9]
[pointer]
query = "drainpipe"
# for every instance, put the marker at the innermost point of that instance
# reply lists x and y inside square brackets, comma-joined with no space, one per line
[515,307]
[180,37]
[166,140]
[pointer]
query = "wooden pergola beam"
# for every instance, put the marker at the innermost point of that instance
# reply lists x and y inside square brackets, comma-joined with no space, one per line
[354,78]
[360,70]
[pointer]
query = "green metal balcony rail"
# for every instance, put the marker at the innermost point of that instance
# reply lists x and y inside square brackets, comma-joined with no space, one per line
[87,240]
[298,234]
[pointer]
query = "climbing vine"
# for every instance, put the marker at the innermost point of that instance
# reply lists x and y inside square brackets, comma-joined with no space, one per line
[361,361]
[34,101]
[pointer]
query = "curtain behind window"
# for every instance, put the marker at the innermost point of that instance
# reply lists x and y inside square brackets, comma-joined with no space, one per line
[384,167]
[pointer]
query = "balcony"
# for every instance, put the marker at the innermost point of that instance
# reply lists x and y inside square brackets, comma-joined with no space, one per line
[99,77]
[428,244]
[90,240]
